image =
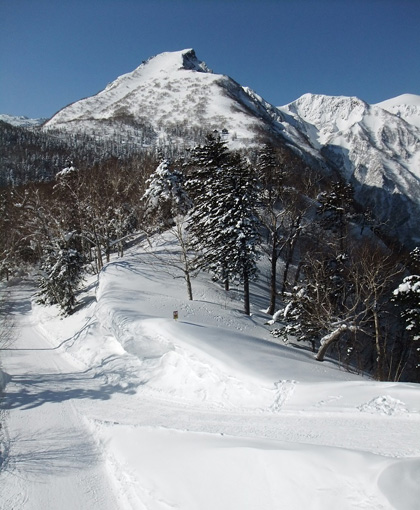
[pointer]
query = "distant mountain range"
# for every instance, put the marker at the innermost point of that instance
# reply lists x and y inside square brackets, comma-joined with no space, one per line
[20,121]
[174,99]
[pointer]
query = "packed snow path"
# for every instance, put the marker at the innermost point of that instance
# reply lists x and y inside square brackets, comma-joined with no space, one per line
[121,407]
[51,459]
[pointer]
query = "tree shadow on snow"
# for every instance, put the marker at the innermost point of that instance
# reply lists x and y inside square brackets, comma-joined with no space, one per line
[49,451]
[32,390]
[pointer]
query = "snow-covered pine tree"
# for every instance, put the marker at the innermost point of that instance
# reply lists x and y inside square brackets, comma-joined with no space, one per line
[165,197]
[224,221]
[60,273]
[203,160]
[408,295]
[271,177]
[209,165]
[167,204]
[240,227]
[336,208]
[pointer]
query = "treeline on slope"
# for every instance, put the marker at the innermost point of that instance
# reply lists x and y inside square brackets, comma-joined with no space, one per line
[333,284]
[30,155]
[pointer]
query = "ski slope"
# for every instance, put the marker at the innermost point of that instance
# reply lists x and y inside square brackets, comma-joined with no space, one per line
[122,407]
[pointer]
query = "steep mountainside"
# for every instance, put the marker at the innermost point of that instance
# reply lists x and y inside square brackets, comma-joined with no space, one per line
[376,148]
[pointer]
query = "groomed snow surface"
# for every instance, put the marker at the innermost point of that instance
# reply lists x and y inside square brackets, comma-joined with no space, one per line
[122,407]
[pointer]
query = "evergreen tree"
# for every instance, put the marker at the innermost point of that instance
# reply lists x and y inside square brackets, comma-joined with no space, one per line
[60,274]
[407,294]
[224,221]
[165,197]
[209,166]
[335,208]
[271,177]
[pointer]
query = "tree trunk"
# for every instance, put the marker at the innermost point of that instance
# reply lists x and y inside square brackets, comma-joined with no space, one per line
[246,294]
[184,251]
[291,244]
[273,278]
[225,277]
[99,261]
[328,340]
[297,274]
[380,352]
[189,286]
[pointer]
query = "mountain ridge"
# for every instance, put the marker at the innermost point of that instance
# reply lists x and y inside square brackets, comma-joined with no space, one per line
[172,90]
[375,149]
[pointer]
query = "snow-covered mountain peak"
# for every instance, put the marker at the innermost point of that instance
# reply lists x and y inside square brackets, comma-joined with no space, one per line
[375,147]
[164,64]
[328,113]
[174,61]
[166,99]
[403,99]
[405,106]
[170,62]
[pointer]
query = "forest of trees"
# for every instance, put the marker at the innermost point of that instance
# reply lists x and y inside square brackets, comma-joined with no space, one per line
[332,283]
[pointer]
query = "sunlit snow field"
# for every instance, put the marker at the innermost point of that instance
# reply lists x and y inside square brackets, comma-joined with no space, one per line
[122,407]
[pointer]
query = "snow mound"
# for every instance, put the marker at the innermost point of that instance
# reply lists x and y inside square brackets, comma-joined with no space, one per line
[249,474]
[207,357]
[384,405]
[405,475]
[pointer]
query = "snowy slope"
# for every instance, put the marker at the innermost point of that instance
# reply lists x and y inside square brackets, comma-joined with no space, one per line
[375,149]
[122,407]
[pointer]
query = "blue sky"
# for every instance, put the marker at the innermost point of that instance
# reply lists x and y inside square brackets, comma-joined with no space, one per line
[54,52]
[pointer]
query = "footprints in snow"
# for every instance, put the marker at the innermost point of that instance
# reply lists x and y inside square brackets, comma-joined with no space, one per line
[284,390]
